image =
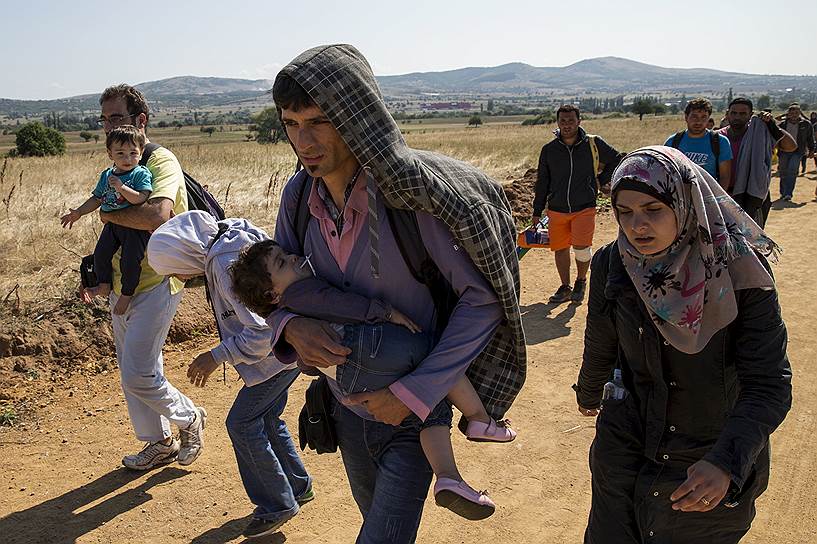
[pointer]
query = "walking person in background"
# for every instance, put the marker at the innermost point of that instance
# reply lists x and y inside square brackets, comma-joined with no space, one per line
[709,150]
[802,132]
[813,121]
[753,138]
[191,245]
[567,184]
[683,305]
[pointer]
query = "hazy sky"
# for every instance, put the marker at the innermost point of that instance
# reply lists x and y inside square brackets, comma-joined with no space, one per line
[53,49]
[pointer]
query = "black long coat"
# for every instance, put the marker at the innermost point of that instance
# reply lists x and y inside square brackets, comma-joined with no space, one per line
[719,405]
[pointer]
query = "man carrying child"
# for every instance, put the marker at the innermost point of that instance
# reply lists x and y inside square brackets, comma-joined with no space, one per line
[140,332]
[357,164]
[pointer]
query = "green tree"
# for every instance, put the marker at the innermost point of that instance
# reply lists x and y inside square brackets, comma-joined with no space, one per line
[475,121]
[208,130]
[268,127]
[85,135]
[642,107]
[96,138]
[764,101]
[34,139]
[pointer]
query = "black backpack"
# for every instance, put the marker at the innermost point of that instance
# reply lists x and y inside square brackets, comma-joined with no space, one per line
[198,197]
[714,142]
[410,243]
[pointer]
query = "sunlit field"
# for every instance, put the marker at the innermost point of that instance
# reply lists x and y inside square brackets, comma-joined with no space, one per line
[40,258]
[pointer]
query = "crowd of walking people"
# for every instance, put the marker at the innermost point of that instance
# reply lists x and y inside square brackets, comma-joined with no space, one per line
[392,278]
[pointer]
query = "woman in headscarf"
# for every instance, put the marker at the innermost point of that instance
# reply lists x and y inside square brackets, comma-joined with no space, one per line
[193,244]
[683,306]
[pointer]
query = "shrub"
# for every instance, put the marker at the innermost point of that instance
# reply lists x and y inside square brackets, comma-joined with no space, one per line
[34,139]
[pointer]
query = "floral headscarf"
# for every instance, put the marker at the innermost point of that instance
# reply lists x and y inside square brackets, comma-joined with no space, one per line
[689,288]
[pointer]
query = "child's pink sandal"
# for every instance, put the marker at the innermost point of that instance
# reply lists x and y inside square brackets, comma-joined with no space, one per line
[462,499]
[494,431]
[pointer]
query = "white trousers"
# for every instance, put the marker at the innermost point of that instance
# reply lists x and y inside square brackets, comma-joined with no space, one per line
[139,334]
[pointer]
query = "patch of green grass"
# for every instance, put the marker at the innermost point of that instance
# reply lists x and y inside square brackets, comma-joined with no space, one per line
[7,416]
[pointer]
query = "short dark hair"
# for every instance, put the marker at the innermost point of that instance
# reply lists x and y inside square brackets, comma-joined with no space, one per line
[289,95]
[700,104]
[567,108]
[133,97]
[742,100]
[251,282]
[125,134]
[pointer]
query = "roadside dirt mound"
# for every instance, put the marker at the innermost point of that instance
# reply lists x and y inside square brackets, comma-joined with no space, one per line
[520,193]
[41,346]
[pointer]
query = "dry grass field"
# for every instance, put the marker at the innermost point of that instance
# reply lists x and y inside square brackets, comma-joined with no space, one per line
[62,480]
[39,256]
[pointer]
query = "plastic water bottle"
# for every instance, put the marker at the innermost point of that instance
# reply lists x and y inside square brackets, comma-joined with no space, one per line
[615,389]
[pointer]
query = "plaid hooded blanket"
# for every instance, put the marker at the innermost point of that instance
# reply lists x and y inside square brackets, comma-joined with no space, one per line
[473,206]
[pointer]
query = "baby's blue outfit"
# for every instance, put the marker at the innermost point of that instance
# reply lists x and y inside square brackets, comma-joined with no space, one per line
[138,179]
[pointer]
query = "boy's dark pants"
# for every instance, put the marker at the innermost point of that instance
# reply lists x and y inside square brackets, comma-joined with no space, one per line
[133,243]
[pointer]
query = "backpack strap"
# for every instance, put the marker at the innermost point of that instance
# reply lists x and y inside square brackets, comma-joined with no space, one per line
[147,152]
[676,140]
[715,143]
[594,150]
[406,233]
[302,214]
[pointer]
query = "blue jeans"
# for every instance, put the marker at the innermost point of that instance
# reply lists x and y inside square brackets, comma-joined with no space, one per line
[788,165]
[381,354]
[388,474]
[271,470]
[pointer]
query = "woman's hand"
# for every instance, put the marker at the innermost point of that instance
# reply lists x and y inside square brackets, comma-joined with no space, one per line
[705,487]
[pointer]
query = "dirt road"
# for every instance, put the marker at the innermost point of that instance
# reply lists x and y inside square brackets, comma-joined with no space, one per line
[62,480]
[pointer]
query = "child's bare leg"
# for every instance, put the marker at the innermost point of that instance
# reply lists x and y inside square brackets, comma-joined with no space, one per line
[465,398]
[436,443]
[450,490]
[121,305]
[481,427]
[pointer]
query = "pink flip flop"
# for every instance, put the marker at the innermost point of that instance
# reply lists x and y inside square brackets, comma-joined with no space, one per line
[462,499]
[494,431]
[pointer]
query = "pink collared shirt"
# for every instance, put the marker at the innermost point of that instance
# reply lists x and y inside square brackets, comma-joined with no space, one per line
[354,218]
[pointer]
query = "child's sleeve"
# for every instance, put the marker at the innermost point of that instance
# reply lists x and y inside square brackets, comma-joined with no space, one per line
[316,298]
[142,180]
[101,185]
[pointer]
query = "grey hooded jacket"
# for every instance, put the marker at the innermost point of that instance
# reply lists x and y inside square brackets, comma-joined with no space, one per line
[246,340]
[473,206]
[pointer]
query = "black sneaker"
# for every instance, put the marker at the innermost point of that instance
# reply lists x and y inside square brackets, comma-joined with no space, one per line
[262,527]
[579,289]
[562,294]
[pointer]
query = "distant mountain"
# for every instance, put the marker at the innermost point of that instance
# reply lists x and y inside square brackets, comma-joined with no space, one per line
[174,92]
[612,75]
[599,75]
[192,85]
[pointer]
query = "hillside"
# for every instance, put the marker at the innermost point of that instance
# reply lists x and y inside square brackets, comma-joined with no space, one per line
[605,75]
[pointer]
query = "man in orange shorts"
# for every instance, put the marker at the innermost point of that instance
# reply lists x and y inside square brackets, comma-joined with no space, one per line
[567,184]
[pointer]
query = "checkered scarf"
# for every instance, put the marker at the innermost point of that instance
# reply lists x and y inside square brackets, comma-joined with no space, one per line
[473,206]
